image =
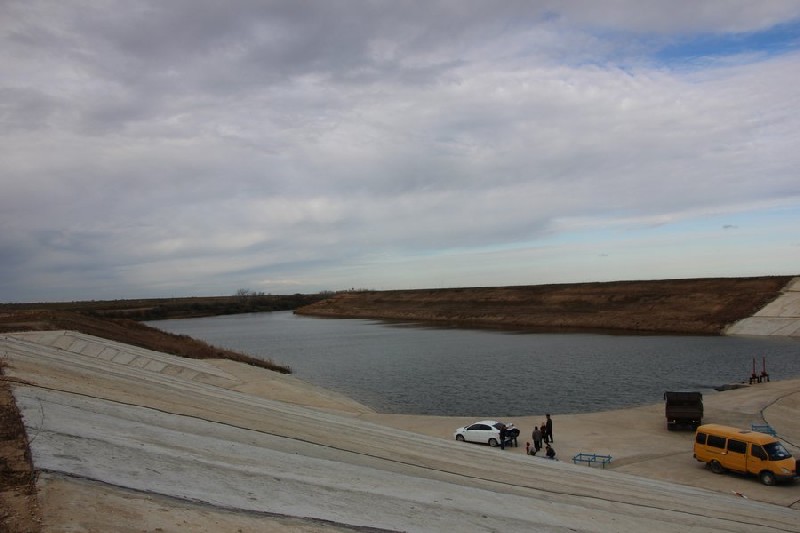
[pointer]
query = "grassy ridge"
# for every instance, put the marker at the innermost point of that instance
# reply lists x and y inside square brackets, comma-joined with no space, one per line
[692,306]
[119,320]
[163,308]
[129,332]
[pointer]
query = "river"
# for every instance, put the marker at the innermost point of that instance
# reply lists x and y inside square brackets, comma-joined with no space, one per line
[402,368]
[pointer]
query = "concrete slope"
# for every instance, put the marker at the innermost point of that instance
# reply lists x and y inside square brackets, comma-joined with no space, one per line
[164,425]
[779,317]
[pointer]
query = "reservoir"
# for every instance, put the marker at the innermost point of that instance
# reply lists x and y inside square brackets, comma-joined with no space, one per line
[403,368]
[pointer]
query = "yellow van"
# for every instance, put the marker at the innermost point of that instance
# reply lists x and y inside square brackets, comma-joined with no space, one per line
[745,451]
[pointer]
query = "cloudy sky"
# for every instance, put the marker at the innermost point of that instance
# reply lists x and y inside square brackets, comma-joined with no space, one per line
[189,147]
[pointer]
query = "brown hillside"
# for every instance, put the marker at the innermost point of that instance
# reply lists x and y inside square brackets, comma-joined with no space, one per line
[128,332]
[691,306]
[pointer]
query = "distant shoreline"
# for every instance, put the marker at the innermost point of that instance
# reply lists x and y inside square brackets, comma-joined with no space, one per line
[689,306]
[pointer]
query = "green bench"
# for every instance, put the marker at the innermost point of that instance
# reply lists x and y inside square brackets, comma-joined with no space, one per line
[591,458]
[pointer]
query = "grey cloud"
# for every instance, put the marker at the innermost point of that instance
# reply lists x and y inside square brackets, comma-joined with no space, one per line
[24,109]
[192,146]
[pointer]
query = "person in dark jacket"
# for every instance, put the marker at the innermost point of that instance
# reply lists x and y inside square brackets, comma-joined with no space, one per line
[548,429]
[512,433]
[549,451]
[503,436]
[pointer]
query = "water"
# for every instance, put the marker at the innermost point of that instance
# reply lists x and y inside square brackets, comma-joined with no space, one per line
[457,372]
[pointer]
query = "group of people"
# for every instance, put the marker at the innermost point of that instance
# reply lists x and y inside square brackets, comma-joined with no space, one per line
[542,435]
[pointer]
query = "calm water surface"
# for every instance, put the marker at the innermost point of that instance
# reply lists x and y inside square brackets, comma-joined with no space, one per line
[418,370]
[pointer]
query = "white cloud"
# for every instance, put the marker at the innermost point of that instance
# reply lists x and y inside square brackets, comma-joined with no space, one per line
[183,148]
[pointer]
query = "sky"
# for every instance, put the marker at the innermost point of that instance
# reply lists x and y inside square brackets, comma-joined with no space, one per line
[173,148]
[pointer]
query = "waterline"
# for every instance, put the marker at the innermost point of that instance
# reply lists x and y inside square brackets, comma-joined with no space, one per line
[422,370]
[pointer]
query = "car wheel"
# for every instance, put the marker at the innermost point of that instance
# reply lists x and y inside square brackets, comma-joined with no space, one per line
[492,442]
[767,478]
[716,467]
[460,438]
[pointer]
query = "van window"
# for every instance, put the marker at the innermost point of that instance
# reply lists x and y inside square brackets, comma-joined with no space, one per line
[758,451]
[776,451]
[700,438]
[716,441]
[737,446]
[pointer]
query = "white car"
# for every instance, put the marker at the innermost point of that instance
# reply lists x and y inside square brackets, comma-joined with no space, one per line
[485,431]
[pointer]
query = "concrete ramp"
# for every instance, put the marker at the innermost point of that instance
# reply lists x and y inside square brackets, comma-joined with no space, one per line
[172,428]
[779,317]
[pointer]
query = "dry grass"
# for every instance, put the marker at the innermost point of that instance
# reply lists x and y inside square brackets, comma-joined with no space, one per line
[690,306]
[128,332]
[19,511]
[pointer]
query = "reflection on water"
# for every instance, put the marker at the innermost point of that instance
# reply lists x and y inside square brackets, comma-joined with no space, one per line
[419,370]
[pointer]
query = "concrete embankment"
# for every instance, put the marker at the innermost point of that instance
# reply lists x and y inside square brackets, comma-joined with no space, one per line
[779,317]
[129,440]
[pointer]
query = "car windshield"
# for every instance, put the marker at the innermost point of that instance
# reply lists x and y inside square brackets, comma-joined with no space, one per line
[776,451]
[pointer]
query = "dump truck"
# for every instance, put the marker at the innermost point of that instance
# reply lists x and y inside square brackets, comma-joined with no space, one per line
[683,409]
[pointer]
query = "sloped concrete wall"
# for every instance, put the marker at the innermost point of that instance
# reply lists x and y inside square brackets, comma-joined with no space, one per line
[780,317]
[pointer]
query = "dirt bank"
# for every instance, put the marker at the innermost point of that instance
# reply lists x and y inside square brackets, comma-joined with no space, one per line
[692,306]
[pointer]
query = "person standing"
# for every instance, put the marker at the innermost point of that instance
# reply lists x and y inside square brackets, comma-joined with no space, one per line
[548,429]
[543,429]
[512,433]
[536,435]
[503,433]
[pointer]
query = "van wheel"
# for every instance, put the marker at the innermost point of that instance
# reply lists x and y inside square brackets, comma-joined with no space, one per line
[492,442]
[767,478]
[716,467]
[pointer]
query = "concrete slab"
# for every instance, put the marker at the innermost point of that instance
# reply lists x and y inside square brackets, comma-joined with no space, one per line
[236,449]
[779,317]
